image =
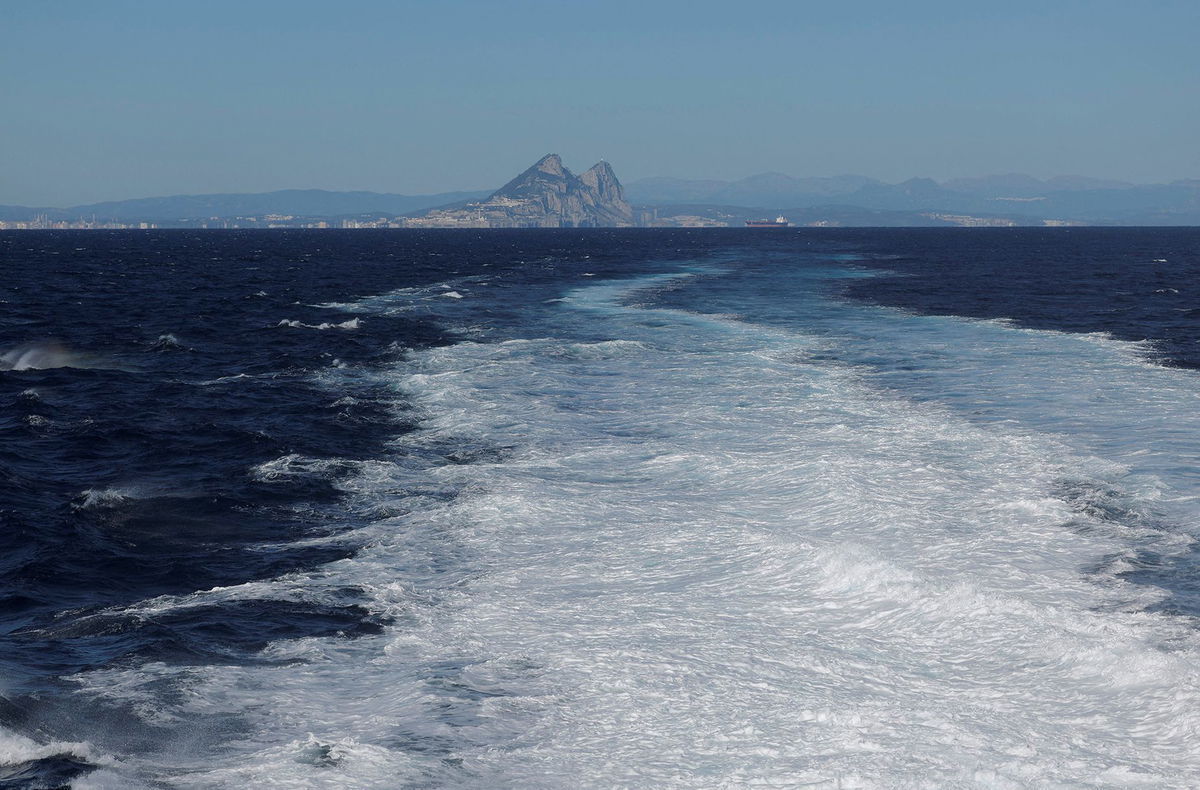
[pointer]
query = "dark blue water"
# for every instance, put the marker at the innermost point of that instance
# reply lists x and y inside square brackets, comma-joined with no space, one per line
[146,375]
[1133,283]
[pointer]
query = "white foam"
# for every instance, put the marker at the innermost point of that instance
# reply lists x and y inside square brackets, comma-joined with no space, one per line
[92,498]
[16,749]
[44,356]
[105,497]
[108,779]
[1094,393]
[403,300]
[705,561]
[226,379]
[353,323]
[293,466]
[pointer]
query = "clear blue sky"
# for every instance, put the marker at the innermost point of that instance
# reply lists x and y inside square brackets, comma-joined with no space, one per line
[120,99]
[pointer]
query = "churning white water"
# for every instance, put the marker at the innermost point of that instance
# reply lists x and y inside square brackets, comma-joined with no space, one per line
[695,551]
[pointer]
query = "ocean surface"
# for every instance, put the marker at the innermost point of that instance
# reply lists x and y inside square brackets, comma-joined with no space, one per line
[910,508]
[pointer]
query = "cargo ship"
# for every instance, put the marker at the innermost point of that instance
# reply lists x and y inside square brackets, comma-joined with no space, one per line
[778,222]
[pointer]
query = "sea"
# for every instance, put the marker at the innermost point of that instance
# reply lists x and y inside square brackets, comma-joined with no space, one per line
[640,508]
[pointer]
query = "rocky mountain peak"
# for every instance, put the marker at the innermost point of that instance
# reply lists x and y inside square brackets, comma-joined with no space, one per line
[551,164]
[602,169]
[601,178]
[546,195]
[547,173]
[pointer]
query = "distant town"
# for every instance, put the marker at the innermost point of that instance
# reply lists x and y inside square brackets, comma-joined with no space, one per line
[43,222]
[645,219]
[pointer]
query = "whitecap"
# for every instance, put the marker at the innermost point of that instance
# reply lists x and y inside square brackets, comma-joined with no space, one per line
[168,342]
[19,749]
[225,379]
[94,498]
[45,356]
[353,323]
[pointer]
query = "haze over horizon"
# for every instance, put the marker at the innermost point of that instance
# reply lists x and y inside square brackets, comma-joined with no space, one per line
[133,99]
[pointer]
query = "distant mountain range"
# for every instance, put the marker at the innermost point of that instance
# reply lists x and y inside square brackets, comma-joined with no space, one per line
[295,202]
[840,200]
[1022,197]
[765,189]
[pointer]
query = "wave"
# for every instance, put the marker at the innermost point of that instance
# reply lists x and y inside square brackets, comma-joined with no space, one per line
[168,342]
[19,749]
[96,498]
[293,466]
[404,300]
[353,323]
[47,355]
[227,379]
[28,763]
[116,496]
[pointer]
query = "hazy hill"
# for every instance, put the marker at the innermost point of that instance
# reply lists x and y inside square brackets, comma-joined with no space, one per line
[662,190]
[1020,185]
[764,189]
[829,214]
[1074,198]
[298,202]
[915,194]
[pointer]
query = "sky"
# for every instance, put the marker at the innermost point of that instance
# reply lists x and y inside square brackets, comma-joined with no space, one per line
[123,99]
